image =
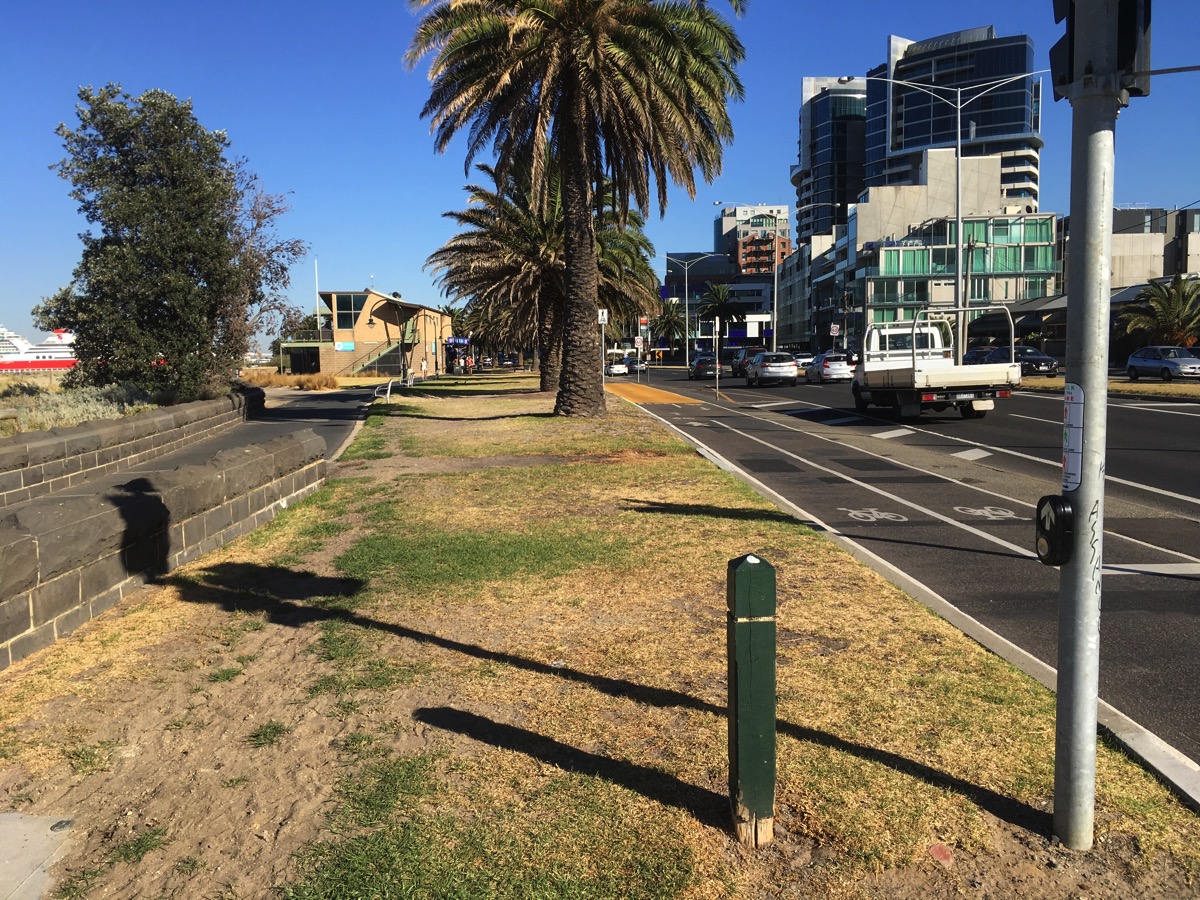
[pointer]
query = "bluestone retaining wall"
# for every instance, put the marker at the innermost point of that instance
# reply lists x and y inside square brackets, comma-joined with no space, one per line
[37,463]
[65,560]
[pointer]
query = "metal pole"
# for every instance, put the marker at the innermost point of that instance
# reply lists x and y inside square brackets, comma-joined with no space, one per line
[775,291]
[687,328]
[959,268]
[1095,101]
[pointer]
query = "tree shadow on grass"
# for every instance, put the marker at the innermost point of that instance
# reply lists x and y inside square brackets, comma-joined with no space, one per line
[283,596]
[716,512]
[708,807]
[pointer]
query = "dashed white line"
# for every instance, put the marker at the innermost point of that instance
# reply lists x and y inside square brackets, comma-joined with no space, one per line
[972,454]
[1035,419]
[888,435]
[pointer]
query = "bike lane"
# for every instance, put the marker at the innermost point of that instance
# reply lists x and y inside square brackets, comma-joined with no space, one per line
[965,532]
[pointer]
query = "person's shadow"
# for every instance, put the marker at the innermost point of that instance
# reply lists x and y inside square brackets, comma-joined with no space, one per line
[145,540]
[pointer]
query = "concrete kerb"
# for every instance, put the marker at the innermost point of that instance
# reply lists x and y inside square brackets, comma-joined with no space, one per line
[1178,772]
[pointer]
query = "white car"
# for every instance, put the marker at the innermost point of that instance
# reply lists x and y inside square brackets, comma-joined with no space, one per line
[772,367]
[804,358]
[832,365]
[616,367]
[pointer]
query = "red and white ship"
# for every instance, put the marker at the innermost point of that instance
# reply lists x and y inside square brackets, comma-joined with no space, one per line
[54,354]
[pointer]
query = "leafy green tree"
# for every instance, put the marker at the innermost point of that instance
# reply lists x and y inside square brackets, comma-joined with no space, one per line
[180,263]
[1168,313]
[635,92]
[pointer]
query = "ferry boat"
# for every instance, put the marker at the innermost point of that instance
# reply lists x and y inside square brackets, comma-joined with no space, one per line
[17,355]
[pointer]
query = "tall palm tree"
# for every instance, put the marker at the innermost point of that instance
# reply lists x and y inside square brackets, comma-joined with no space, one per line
[1168,313]
[717,304]
[669,324]
[632,90]
[508,264]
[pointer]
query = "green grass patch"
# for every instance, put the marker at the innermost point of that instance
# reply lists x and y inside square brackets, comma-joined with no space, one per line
[85,759]
[461,560]
[134,850]
[268,734]
[576,837]
[227,673]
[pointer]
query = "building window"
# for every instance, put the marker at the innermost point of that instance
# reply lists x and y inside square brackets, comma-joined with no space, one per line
[347,308]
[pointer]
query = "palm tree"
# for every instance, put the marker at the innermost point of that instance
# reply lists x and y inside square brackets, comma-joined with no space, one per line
[669,324]
[633,91]
[1168,313]
[507,263]
[716,304]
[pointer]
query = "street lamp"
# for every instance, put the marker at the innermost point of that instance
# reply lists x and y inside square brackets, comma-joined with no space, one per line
[775,262]
[687,327]
[957,104]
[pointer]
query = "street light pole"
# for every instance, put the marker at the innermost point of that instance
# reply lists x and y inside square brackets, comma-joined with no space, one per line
[687,322]
[960,288]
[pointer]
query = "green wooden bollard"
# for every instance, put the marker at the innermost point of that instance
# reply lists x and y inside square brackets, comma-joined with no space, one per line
[750,593]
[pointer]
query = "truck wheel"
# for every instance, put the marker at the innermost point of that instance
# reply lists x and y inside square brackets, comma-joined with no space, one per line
[859,403]
[969,412]
[1132,373]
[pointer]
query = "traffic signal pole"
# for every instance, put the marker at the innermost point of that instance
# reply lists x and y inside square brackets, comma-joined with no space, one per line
[1096,95]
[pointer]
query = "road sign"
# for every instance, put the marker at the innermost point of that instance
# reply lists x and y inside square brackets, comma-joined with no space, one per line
[604,317]
[637,342]
[834,329]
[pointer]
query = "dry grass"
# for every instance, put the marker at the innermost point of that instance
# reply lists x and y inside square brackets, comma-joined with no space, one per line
[541,620]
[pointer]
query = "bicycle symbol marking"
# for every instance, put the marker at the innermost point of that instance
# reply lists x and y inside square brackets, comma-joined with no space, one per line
[990,513]
[871,514]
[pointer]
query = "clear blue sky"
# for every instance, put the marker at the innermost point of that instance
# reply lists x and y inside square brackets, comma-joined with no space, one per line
[317,97]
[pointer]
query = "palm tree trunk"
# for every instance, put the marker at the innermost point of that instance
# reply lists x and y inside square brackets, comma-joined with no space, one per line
[550,339]
[580,392]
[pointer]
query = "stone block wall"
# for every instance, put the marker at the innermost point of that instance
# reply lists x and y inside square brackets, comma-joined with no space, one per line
[65,560]
[38,463]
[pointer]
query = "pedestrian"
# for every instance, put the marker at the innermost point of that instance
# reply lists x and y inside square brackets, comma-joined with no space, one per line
[424,368]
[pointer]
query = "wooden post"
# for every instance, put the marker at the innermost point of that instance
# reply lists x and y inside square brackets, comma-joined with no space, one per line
[750,594]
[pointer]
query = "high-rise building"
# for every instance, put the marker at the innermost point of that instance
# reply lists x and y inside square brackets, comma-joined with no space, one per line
[755,237]
[831,153]
[952,78]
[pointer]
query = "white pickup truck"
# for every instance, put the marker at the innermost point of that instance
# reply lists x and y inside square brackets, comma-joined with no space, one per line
[910,366]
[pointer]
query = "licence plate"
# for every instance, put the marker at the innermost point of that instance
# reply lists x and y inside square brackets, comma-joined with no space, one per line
[963,397]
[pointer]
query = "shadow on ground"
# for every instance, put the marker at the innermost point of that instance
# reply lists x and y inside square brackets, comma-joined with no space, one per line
[289,597]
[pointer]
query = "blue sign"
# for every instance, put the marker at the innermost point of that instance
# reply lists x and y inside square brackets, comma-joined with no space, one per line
[459,342]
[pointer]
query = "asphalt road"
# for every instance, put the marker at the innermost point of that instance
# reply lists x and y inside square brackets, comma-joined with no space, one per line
[950,502]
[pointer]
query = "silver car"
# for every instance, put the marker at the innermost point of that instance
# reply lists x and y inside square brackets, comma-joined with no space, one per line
[1163,362]
[772,367]
[832,365]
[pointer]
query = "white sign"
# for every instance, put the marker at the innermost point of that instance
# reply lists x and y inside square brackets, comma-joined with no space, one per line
[1072,437]
[834,329]
[637,342]
[604,317]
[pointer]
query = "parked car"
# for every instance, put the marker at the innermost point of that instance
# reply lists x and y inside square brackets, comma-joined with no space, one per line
[976,355]
[635,365]
[1033,361]
[772,367]
[742,358]
[832,365]
[704,366]
[616,367]
[804,358]
[1163,362]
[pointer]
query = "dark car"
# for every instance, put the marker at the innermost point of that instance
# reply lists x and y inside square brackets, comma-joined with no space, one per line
[742,358]
[1163,362]
[704,366]
[977,355]
[1033,361]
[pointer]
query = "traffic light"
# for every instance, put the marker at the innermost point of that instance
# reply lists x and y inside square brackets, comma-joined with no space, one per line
[1130,29]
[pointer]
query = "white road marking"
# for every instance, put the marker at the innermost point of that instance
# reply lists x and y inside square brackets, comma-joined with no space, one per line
[1035,419]
[1152,569]
[973,454]
[888,435]
[773,403]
